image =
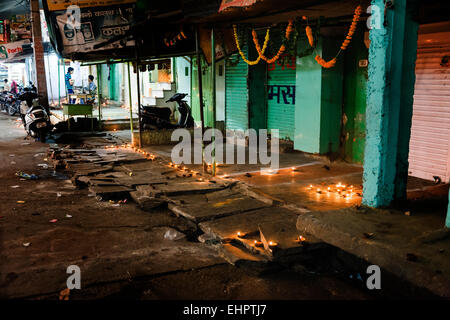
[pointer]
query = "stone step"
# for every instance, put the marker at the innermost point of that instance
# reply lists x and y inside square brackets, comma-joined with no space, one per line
[160,86]
[185,188]
[155,93]
[273,229]
[218,208]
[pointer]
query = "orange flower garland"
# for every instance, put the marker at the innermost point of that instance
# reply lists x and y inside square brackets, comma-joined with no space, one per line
[352,30]
[310,36]
[326,64]
[289,30]
[251,63]
[332,62]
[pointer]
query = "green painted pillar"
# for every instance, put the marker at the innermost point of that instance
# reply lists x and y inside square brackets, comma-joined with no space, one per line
[99,94]
[390,89]
[130,103]
[354,104]
[213,98]
[318,101]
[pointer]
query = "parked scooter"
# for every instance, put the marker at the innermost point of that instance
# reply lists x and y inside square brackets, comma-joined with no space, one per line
[186,119]
[35,119]
[155,118]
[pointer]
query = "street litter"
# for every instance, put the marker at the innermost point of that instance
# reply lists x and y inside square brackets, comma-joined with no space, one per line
[368,235]
[15,187]
[25,143]
[26,176]
[173,235]
[12,155]
[43,165]
[68,216]
[20,201]
[117,203]
[26,244]
[53,220]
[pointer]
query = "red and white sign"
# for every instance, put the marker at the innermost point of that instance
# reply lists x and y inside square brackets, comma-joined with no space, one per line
[9,50]
[236,3]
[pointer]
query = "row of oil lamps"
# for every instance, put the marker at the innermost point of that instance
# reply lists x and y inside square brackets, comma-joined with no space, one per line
[152,157]
[346,191]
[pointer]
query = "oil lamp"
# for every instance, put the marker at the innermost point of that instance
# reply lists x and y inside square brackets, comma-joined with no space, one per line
[257,243]
[272,244]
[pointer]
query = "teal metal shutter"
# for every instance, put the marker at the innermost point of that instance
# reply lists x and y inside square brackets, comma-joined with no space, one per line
[236,91]
[281,97]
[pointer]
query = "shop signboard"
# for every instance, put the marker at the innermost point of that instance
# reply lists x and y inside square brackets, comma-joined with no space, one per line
[20,27]
[79,25]
[12,49]
[57,5]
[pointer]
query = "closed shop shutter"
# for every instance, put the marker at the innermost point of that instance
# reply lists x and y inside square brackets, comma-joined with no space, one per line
[236,92]
[281,97]
[430,133]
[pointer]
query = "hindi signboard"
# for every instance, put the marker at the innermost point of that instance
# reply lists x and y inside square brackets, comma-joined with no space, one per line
[57,5]
[78,29]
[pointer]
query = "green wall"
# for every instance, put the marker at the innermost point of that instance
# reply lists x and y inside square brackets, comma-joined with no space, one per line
[236,91]
[354,113]
[207,93]
[104,73]
[318,105]
[110,89]
[257,93]
[245,89]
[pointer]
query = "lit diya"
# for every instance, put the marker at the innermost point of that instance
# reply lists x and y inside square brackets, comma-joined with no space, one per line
[273,245]
[257,243]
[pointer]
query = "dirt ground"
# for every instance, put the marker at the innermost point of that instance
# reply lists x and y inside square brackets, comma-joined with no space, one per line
[47,225]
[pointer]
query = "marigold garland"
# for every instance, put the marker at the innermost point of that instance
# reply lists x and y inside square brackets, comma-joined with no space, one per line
[289,30]
[266,41]
[332,62]
[310,36]
[352,30]
[326,64]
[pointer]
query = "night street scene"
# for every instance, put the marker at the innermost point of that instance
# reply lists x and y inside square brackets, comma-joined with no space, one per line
[231,157]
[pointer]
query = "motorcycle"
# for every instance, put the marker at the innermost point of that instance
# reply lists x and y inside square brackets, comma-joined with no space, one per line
[186,120]
[13,104]
[35,119]
[155,118]
[4,101]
